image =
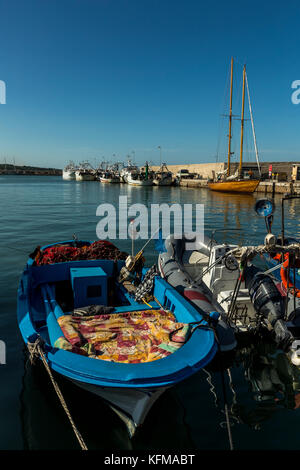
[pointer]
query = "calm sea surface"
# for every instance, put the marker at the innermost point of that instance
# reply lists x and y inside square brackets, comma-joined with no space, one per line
[40,210]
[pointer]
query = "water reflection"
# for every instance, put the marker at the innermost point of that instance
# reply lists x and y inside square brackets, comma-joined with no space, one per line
[265,387]
[274,383]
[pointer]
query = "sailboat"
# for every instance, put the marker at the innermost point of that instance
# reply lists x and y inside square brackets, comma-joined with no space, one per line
[236,183]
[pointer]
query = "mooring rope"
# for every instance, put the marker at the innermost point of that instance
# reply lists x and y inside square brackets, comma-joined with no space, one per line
[228,424]
[35,350]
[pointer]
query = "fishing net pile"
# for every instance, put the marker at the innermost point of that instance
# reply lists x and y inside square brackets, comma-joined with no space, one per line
[101,249]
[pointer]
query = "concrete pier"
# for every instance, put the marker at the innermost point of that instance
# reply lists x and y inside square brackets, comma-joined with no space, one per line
[266,187]
[279,183]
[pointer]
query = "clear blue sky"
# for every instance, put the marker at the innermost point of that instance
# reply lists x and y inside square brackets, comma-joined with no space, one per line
[88,79]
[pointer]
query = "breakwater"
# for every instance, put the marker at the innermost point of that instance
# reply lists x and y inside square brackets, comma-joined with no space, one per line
[8,169]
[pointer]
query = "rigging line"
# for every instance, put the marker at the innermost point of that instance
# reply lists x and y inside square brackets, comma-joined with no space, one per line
[252,124]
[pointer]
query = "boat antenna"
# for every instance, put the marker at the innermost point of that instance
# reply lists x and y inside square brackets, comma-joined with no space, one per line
[253,130]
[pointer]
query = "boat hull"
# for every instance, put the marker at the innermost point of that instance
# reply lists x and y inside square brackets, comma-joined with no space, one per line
[109,180]
[131,405]
[163,182]
[84,177]
[139,182]
[69,175]
[246,186]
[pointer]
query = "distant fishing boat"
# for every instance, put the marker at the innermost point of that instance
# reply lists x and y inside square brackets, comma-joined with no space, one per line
[236,183]
[163,177]
[129,170]
[108,173]
[85,172]
[109,177]
[78,302]
[140,178]
[69,172]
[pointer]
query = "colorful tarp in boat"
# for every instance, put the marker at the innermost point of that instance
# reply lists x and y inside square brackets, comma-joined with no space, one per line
[100,249]
[131,337]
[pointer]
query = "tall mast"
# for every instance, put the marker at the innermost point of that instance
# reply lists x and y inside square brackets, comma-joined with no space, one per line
[242,123]
[230,118]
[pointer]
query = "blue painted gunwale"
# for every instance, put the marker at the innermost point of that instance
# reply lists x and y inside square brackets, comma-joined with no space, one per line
[191,357]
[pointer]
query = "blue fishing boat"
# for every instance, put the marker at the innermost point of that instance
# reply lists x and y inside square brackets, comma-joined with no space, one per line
[95,333]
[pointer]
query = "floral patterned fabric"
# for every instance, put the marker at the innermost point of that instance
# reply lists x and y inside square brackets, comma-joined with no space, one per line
[130,337]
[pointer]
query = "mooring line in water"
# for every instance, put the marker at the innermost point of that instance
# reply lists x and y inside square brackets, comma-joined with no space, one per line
[224,395]
[35,350]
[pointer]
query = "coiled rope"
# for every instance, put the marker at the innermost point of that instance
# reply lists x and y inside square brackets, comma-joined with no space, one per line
[35,350]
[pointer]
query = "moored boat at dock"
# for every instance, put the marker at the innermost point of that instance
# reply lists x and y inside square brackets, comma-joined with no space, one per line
[236,183]
[85,172]
[144,177]
[69,172]
[75,301]
[224,277]
[109,177]
[239,186]
[129,170]
[163,177]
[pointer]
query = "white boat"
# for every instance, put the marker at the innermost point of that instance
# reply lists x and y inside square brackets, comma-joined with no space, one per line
[210,276]
[215,279]
[82,175]
[69,171]
[138,180]
[109,177]
[142,178]
[85,172]
[130,169]
[163,177]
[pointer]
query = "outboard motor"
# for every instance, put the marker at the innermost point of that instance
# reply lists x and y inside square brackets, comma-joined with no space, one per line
[268,302]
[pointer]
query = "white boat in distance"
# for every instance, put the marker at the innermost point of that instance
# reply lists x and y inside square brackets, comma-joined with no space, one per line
[128,170]
[109,177]
[85,172]
[142,178]
[163,177]
[69,171]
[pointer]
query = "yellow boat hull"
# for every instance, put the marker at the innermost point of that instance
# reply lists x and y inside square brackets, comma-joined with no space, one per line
[243,186]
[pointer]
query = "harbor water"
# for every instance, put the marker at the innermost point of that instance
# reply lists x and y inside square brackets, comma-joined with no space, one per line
[37,210]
